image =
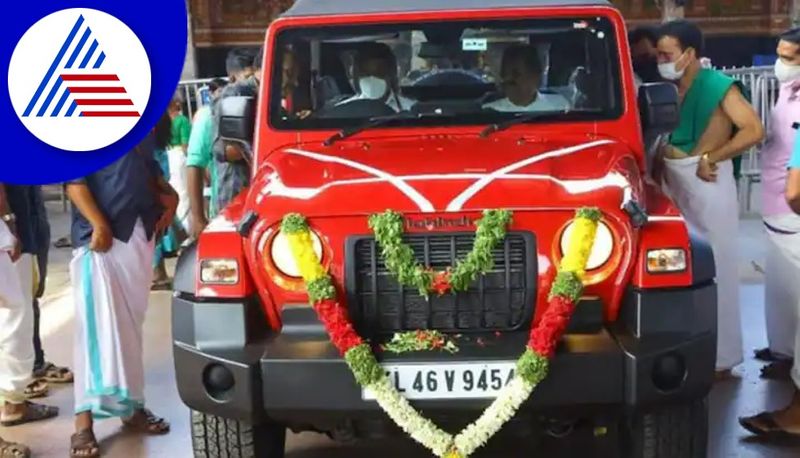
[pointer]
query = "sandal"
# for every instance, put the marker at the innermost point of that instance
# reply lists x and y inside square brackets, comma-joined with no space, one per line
[36,389]
[63,242]
[13,450]
[33,412]
[51,373]
[765,426]
[161,285]
[765,354]
[144,421]
[84,445]
[777,370]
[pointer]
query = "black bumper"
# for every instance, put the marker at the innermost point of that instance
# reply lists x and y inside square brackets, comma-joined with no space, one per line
[298,378]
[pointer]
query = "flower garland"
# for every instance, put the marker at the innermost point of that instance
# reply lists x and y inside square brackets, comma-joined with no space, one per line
[399,257]
[419,340]
[532,366]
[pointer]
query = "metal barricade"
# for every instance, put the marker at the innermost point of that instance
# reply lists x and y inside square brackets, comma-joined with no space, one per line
[195,94]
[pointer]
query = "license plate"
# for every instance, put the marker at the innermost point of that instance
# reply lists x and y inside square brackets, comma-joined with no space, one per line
[480,380]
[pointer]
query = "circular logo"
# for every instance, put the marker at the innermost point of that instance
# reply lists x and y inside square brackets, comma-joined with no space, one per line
[79,79]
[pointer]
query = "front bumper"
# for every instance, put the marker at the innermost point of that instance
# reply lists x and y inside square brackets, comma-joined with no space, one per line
[297,377]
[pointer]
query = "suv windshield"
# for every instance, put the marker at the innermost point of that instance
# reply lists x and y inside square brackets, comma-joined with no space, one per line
[465,72]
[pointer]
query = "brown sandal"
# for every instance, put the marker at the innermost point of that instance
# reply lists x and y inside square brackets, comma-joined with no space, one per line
[33,412]
[144,421]
[765,426]
[36,389]
[84,445]
[54,374]
[777,370]
[13,450]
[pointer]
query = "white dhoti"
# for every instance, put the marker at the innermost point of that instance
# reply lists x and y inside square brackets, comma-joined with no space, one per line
[712,209]
[782,283]
[110,292]
[16,321]
[178,181]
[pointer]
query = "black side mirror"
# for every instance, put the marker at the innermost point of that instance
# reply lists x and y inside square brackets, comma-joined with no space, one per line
[658,108]
[237,117]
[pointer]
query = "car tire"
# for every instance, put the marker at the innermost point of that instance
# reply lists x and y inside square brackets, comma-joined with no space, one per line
[675,431]
[216,437]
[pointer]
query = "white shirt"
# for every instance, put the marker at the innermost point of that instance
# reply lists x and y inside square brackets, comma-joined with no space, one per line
[543,102]
[7,240]
[405,102]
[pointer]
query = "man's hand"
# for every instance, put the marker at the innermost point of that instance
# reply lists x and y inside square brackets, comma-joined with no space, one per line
[102,238]
[706,170]
[169,201]
[16,249]
[198,225]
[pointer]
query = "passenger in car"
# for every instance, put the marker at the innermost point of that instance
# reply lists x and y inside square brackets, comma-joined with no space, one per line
[521,74]
[376,77]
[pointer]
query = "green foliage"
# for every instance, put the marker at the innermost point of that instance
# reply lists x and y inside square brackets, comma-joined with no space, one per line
[363,364]
[293,223]
[321,289]
[567,284]
[532,367]
[592,213]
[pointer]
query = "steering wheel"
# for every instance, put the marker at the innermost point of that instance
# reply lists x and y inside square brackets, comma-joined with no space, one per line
[358,108]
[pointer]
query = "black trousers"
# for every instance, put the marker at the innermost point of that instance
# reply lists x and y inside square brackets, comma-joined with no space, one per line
[41,262]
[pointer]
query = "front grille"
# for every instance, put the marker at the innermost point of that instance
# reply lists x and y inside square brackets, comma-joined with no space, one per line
[501,300]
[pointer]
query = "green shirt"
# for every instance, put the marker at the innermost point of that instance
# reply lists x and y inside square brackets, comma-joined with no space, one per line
[199,152]
[181,129]
[702,99]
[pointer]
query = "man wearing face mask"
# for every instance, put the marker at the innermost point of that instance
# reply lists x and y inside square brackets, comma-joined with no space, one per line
[521,72]
[644,54]
[781,289]
[376,76]
[698,170]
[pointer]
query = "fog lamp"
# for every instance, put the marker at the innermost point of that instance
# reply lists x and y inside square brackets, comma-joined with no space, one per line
[669,372]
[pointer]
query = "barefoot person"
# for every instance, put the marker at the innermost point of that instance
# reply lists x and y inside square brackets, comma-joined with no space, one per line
[117,213]
[698,170]
[16,334]
[781,288]
[784,424]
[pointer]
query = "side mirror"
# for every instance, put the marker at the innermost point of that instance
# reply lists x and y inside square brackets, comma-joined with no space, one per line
[237,119]
[658,108]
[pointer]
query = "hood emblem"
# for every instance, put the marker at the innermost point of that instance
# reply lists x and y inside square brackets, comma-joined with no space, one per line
[439,222]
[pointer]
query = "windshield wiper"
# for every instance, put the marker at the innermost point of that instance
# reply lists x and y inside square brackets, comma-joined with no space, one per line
[522,118]
[377,121]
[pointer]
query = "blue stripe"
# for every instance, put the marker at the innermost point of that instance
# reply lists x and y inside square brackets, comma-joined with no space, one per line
[95,368]
[53,67]
[72,108]
[88,55]
[79,48]
[60,103]
[100,60]
[50,96]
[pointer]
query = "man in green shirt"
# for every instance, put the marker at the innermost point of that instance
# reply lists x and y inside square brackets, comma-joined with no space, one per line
[717,124]
[176,153]
[199,159]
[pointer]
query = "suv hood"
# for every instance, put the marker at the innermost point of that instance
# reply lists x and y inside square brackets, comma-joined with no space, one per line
[435,174]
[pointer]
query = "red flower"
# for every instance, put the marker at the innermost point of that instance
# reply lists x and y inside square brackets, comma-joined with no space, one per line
[441,282]
[337,323]
[544,338]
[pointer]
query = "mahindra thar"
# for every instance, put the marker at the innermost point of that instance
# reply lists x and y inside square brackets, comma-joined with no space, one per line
[440,111]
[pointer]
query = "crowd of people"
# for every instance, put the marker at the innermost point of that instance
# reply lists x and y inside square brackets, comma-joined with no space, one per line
[129,216]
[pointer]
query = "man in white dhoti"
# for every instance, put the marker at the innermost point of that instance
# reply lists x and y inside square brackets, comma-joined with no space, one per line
[16,334]
[116,213]
[699,172]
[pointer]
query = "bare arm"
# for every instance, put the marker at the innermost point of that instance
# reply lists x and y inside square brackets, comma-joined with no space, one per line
[717,133]
[745,118]
[82,199]
[194,178]
[793,190]
[5,209]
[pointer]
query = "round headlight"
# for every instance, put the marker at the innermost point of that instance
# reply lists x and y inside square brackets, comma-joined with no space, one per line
[281,254]
[601,250]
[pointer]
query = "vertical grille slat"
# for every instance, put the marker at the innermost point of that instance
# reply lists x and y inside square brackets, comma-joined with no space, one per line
[501,300]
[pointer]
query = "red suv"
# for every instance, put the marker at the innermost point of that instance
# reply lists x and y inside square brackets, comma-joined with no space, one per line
[440,111]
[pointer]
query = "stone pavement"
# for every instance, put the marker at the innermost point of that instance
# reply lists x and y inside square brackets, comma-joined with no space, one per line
[48,439]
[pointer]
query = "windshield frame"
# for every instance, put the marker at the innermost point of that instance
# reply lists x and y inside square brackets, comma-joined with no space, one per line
[615,79]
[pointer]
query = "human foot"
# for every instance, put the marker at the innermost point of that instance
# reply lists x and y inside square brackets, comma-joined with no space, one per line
[84,445]
[779,425]
[13,450]
[144,421]
[27,412]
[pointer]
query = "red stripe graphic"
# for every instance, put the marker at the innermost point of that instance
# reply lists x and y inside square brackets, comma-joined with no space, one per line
[126,102]
[97,90]
[110,114]
[90,77]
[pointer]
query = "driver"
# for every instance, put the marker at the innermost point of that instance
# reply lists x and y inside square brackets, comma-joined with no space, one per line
[376,75]
[521,75]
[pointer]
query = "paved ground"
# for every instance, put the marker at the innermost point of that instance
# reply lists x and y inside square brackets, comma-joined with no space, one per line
[728,400]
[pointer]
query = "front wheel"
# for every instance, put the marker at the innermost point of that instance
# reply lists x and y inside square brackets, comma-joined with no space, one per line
[216,437]
[675,431]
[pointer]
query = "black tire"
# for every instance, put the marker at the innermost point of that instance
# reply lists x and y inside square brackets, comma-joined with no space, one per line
[216,437]
[676,431]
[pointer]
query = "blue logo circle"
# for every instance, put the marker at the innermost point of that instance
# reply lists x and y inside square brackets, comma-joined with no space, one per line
[81,102]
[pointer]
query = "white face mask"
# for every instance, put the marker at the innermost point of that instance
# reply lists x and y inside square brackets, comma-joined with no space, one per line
[786,72]
[669,70]
[372,87]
